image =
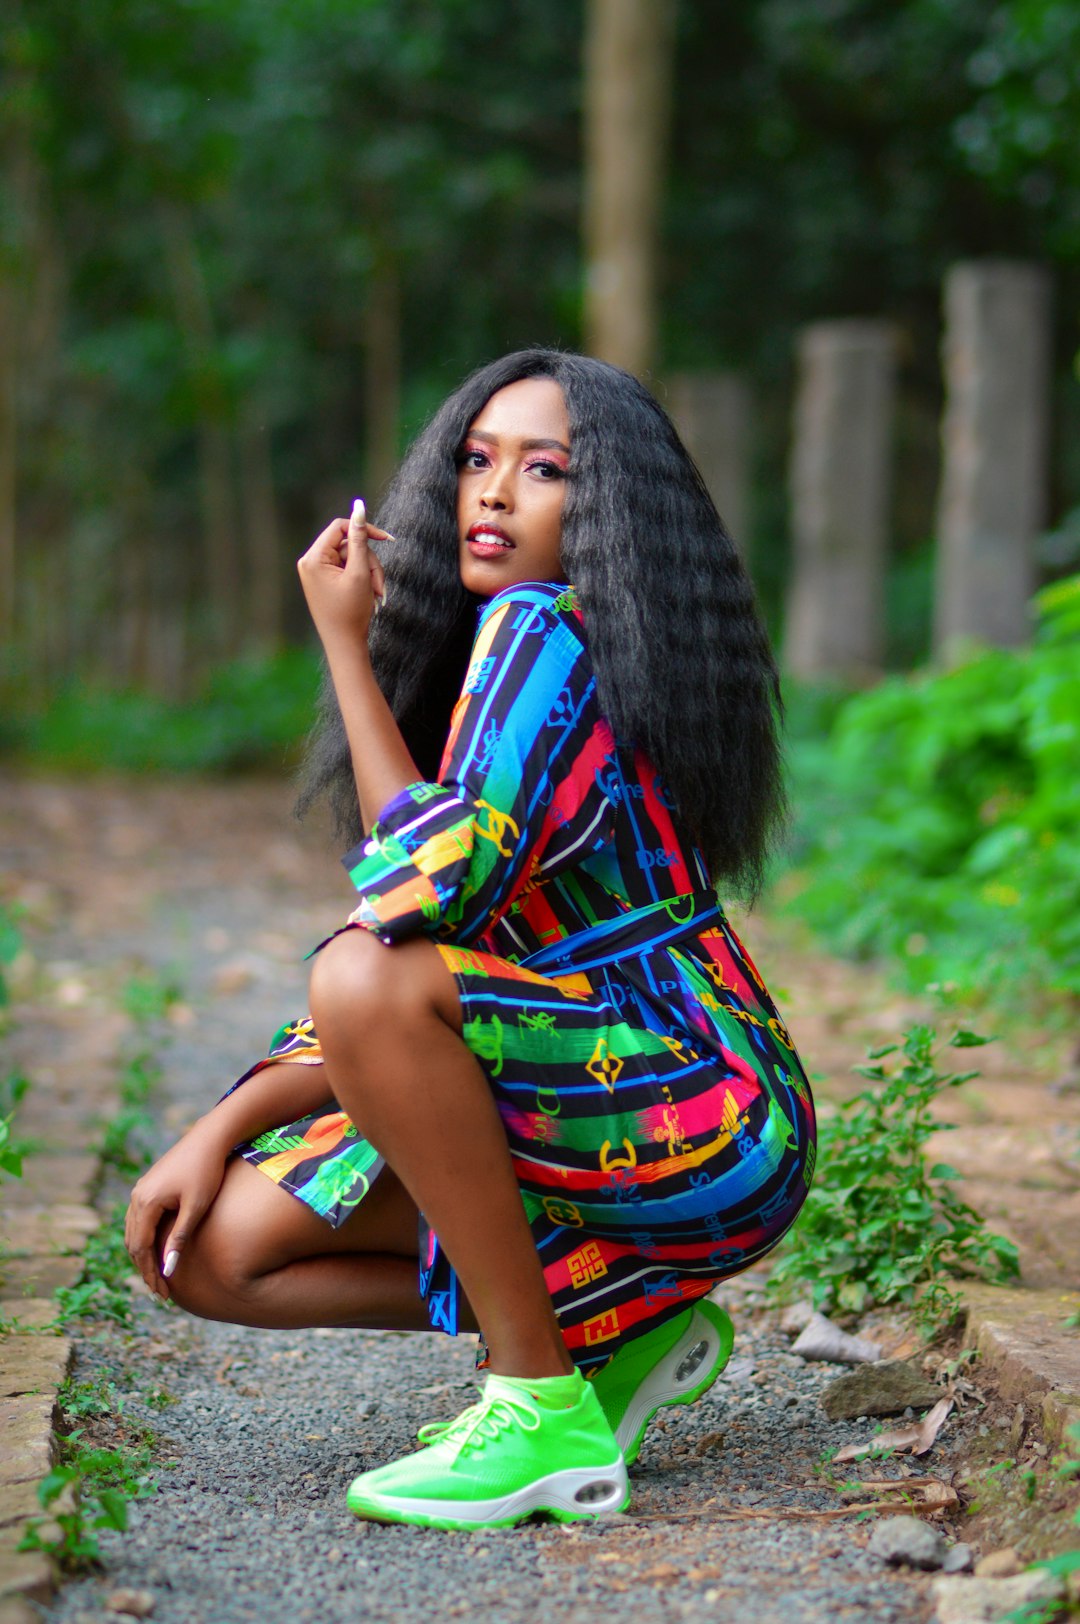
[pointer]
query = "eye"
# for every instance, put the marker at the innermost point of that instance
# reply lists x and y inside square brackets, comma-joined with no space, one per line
[472,457]
[546,470]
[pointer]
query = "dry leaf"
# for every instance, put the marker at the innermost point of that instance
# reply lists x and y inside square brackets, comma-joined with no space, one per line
[916,1439]
[925,1493]
[821,1339]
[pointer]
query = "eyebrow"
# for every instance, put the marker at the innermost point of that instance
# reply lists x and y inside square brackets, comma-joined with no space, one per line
[526,445]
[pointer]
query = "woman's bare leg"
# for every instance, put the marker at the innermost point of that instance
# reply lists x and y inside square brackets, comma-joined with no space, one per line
[261,1257]
[389,1023]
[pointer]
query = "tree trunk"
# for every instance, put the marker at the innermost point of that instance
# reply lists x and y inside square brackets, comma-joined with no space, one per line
[223,578]
[8,436]
[382,375]
[629,61]
[263,533]
[997,351]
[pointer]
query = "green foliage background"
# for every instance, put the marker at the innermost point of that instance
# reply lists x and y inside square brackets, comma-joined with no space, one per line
[939,819]
[202,204]
[199,200]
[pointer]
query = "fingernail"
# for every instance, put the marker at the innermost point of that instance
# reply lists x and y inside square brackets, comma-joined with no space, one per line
[358,508]
[171,1260]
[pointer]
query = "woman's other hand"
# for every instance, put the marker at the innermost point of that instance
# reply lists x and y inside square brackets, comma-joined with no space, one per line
[184,1181]
[342,578]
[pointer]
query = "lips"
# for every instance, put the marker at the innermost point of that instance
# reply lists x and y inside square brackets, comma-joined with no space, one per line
[486,540]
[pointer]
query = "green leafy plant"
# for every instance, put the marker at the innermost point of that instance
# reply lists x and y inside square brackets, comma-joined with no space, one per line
[96,1397]
[12,1090]
[10,947]
[148,997]
[879,1226]
[100,1485]
[939,816]
[69,1535]
[251,712]
[103,1292]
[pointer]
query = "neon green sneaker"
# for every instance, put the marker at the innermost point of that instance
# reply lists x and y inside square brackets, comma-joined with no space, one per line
[673,1364]
[502,1460]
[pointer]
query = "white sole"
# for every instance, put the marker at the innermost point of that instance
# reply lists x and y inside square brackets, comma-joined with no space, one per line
[675,1380]
[577,1492]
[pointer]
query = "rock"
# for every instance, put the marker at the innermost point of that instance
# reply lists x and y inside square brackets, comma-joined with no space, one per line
[988,1601]
[908,1541]
[1001,1564]
[132,1603]
[884,1388]
[821,1339]
[958,1559]
[795,1318]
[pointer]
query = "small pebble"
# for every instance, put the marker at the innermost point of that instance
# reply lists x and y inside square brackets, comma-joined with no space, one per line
[1003,1564]
[132,1603]
[908,1541]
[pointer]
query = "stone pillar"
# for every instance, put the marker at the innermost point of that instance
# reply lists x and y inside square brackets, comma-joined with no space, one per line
[712,412]
[840,479]
[991,504]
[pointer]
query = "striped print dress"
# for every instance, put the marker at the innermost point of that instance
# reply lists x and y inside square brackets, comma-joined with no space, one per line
[658,1117]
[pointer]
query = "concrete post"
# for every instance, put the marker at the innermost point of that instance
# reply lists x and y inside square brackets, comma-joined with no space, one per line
[712,412]
[840,478]
[991,504]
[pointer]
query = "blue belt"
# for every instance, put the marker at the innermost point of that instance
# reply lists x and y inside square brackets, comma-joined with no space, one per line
[628,935]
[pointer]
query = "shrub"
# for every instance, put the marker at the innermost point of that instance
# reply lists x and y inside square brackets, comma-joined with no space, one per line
[939,817]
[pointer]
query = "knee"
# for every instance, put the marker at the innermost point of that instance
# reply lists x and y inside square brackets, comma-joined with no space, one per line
[216,1276]
[355,983]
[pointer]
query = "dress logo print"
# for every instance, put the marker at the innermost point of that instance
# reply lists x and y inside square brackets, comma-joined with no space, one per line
[604,1065]
[586,1265]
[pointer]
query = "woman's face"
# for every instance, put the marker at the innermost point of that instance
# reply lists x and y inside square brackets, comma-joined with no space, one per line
[511,488]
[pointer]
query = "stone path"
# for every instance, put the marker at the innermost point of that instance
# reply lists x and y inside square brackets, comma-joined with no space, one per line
[214,887]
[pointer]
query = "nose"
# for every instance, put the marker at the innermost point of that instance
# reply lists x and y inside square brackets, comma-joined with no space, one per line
[497,495]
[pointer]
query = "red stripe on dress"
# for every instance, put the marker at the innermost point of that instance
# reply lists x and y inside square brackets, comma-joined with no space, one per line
[660,818]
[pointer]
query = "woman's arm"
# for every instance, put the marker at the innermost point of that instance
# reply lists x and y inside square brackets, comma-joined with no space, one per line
[521,790]
[187,1178]
[281,1091]
[342,578]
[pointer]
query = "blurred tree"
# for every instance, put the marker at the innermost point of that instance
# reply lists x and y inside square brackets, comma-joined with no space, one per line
[629,58]
[234,236]
[1021,130]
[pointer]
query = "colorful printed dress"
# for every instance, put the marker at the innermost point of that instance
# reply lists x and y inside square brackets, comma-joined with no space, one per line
[659,1120]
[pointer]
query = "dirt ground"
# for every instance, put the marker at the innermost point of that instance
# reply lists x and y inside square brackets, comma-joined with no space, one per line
[217,890]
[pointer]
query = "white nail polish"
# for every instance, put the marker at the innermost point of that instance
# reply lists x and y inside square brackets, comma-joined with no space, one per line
[358,509]
[171,1260]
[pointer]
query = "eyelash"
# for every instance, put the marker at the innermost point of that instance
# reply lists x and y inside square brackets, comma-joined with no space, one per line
[555,469]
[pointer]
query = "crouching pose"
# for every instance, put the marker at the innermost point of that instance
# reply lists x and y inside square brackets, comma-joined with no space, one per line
[541,1079]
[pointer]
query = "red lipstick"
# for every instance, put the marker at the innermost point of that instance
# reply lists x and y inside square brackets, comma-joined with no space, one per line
[487,540]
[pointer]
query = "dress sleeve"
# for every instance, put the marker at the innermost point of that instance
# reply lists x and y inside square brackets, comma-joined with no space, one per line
[520,792]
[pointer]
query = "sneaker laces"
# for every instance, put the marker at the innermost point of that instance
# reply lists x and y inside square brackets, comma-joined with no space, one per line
[482,1421]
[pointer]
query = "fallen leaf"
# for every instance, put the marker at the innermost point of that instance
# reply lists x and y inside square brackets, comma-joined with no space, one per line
[821,1339]
[744,1513]
[916,1439]
[928,1493]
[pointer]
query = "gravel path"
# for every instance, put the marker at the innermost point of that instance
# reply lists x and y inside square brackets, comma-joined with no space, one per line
[258,1433]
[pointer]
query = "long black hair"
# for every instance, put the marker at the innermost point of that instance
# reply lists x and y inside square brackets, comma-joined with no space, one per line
[683,666]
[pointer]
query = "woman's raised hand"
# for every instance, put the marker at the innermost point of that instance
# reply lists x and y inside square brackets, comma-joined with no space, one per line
[342,579]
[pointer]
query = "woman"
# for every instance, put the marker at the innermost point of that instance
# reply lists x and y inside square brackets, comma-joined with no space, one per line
[537,1030]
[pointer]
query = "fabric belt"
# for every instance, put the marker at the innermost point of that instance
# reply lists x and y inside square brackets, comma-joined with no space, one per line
[628,935]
